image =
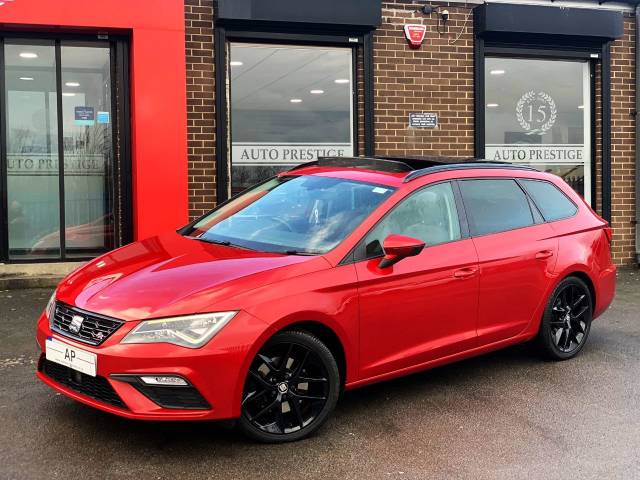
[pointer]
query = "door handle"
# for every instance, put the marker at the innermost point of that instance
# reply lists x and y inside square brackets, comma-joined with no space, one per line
[465,273]
[541,255]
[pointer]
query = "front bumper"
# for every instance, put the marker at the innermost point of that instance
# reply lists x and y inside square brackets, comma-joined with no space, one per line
[216,372]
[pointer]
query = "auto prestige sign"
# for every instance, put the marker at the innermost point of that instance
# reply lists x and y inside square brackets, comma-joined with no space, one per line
[43,164]
[263,154]
[535,153]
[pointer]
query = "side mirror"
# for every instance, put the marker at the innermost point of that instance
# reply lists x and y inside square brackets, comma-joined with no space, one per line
[397,247]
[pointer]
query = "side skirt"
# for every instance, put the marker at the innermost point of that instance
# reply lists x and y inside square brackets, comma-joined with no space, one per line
[441,361]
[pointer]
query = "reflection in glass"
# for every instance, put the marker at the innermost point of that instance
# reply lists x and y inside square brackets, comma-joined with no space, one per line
[32,150]
[537,112]
[289,105]
[86,114]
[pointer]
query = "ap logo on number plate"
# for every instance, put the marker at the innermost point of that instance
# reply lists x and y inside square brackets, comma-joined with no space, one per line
[536,112]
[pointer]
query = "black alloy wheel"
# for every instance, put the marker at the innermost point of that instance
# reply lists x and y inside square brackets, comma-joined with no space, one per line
[291,388]
[567,320]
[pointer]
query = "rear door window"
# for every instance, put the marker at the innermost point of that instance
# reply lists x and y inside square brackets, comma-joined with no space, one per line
[553,204]
[495,205]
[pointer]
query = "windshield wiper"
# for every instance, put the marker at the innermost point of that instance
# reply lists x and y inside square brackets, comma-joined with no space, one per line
[217,242]
[225,243]
[298,252]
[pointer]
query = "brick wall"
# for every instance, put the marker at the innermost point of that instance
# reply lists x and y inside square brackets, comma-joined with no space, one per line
[436,78]
[623,96]
[201,129]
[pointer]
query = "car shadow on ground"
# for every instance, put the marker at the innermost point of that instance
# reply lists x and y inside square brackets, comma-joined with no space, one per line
[356,409]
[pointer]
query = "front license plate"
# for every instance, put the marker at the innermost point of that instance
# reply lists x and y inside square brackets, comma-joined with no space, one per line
[72,357]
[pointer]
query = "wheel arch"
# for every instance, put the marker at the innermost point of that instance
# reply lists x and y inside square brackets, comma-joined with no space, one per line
[325,328]
[327,336]
[587,280]
[583,275]
[573,271]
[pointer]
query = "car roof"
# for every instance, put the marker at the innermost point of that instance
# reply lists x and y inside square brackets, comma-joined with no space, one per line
[394,171]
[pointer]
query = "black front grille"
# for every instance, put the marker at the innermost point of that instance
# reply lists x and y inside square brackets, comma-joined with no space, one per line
[97,388]
[94,329]
[187,397]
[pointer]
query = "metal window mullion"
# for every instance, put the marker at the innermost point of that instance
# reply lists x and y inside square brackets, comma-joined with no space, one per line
[605,86]
[369,95]
[123,126]
[113,172]
[60,150]
[354,100]
[4,218]
[223,180]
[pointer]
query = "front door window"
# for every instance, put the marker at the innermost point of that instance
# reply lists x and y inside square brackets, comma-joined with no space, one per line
[537,113]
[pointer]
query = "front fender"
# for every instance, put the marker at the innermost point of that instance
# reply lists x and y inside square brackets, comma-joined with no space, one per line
[327,297]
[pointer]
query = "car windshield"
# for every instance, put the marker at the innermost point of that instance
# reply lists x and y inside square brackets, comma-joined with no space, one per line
[291,214]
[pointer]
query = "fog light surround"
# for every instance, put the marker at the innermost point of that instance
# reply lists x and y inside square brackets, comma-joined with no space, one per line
[166,390]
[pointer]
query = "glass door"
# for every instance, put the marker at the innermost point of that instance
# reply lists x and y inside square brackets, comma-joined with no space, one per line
[57,165]
[87,144]
[538,112]
[31,150]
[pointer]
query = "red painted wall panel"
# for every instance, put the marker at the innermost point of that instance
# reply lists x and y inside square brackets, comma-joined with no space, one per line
[158,92]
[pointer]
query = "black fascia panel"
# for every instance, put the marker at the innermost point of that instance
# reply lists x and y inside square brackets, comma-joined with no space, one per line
[491,19]
[357,13]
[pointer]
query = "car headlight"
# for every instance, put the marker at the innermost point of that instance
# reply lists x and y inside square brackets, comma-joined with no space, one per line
[191,331]
[50,308]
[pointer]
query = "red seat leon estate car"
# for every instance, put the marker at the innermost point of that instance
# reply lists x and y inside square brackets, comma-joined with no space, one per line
[330,276]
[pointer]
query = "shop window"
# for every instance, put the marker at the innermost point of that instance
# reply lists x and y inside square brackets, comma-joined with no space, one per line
[538,112]
[289,105]
[58,149]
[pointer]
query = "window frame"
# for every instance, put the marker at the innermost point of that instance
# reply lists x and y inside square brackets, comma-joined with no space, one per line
[120,179]
[598,53]
[542,54]
[358,252]
[362,73]
[522,181]
[353,95]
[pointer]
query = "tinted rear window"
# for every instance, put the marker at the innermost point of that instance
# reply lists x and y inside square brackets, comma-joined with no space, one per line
[553,204]
[495,205]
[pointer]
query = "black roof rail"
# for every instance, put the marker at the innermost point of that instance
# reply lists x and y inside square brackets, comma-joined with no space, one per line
[370,163]
[418,163]
[465,165]
[415,167]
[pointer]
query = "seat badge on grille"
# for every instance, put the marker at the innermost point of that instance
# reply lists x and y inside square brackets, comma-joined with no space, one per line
[76,323]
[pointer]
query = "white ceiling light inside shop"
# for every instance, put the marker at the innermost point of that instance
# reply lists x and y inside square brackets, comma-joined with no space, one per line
[41,69]
[271,75]
[558,79]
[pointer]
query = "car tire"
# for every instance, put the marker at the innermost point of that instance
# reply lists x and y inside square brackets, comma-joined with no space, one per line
[566,321]
[290,390]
